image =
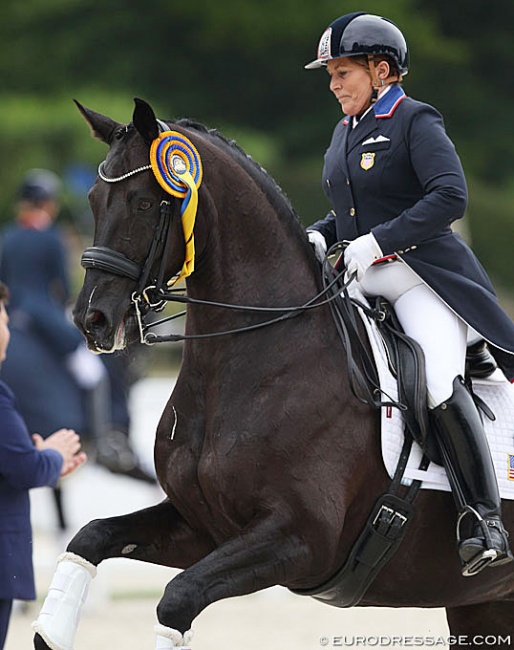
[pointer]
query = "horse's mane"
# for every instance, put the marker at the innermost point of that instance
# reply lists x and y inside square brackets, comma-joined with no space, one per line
[262,178]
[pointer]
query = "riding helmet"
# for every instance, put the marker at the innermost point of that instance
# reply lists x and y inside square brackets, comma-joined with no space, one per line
[362,33]
[39,185]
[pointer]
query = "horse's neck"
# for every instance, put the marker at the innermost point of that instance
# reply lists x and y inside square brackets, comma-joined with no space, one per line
[254,261]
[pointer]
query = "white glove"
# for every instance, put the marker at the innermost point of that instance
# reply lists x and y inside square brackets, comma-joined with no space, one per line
[318,243]
[85,367]
[361,254]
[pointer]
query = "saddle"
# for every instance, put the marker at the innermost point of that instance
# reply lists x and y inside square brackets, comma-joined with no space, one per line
[404,357]
[391,516]
[406,363]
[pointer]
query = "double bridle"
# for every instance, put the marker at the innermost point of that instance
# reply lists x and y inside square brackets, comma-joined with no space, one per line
[152,293]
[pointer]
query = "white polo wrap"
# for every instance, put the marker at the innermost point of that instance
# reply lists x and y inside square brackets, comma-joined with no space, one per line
[170,639]
[59,617]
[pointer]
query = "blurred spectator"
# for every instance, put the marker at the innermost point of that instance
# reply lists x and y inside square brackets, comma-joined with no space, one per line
[24,464]
[56,379]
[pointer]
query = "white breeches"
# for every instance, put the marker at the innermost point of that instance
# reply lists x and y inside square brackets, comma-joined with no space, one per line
[424,317]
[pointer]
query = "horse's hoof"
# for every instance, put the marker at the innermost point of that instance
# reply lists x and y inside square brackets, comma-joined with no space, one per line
[39,644]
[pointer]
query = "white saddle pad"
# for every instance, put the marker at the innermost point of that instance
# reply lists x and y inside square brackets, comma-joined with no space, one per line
[496,392]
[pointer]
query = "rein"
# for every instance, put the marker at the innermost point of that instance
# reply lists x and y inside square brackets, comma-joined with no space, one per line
[149,338]
[177,167]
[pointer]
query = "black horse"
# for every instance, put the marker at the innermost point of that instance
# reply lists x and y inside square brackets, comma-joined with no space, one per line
[270,464]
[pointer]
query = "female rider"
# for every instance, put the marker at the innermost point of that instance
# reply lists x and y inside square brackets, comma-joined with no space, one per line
[396,184]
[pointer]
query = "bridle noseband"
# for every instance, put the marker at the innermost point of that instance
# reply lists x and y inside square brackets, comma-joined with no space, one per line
[106,259]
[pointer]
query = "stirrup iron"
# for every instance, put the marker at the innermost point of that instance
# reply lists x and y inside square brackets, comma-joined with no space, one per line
[479,562]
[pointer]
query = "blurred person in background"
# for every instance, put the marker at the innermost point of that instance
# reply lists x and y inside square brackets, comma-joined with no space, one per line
[56,379]
[25,463]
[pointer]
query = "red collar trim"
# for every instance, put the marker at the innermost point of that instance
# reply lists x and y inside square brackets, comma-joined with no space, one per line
[392,110]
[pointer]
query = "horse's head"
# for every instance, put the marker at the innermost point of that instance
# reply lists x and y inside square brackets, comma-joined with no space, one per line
[144,202]
[134,220]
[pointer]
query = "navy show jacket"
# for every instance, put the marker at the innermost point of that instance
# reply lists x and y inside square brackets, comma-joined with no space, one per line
[33,264]
[22,467]
[397,175]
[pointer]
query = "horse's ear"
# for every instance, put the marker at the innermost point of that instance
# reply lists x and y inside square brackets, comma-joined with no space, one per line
[102,127]
[145,121]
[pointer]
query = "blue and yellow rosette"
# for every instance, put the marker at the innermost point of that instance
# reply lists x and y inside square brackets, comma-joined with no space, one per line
[177,167]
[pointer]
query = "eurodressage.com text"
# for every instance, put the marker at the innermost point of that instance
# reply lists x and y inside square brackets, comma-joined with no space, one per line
[488,641]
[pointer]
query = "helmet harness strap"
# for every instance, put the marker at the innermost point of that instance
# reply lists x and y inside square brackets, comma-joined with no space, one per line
[377,83]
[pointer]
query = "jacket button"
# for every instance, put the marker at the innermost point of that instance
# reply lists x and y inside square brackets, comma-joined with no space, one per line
[348,181]
[352,212]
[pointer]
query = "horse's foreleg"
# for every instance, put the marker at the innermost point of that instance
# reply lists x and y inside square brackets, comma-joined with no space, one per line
[158,535]
[263,555]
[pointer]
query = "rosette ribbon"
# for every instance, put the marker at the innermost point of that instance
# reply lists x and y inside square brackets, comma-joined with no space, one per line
[177,166]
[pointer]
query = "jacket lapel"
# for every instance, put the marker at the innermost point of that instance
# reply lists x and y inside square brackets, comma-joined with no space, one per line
[362,131]
[343,146]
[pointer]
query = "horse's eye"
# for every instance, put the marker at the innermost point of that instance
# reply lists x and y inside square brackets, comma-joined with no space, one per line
[144,205]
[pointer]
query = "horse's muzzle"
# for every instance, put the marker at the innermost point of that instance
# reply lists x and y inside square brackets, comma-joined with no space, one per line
[105,327]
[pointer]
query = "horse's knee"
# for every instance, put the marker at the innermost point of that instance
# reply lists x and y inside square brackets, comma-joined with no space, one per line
[91,541]
[39,643]
[180,604]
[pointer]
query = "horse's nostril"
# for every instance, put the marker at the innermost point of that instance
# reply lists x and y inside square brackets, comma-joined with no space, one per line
[94,320]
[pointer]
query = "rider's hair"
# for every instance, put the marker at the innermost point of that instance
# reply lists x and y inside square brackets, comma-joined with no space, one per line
[362,59]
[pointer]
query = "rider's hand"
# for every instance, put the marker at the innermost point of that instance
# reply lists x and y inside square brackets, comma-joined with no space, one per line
[67,443]
[361,254]
[318,243]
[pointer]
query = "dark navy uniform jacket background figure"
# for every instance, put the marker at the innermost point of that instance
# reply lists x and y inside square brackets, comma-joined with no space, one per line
[398,175]
[22,467]
[33,265]
[58,383]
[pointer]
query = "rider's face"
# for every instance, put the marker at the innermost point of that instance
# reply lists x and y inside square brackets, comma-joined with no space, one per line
[351,84]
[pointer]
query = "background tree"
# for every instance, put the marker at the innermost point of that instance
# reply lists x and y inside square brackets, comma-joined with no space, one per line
[238,66]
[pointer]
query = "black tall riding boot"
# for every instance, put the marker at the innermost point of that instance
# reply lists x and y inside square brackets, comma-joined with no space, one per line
[112,447]
[482,538]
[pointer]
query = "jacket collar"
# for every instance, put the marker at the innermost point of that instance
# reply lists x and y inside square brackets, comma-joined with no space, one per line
[386,105]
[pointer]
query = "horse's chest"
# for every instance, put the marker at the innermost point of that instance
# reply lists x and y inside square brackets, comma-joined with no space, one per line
[209,474]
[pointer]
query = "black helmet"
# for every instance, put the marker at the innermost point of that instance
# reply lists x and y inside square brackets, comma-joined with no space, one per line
[39,185]
[362,33]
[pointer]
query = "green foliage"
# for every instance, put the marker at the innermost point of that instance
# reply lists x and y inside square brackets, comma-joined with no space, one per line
[492,230]
[238,66]
[39,131]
